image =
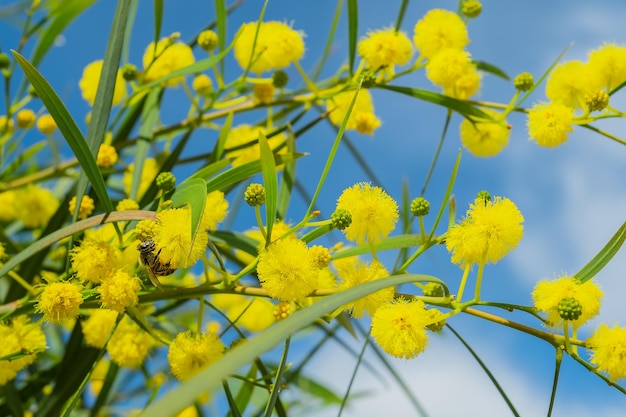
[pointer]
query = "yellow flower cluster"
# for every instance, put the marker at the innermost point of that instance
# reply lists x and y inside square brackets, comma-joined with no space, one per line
[252,314]
[190,352]
[18,337]
[362,118]
[242,143]
[608,347]
[86,206]
[385,48]
[399,328]
[485,138]
[89,83]
[166,57]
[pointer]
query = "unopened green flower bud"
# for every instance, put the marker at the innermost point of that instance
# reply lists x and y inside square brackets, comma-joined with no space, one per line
[432,289]
[471,8]
[129,72]
[369,79]
[438,325]
[524,81]
[420,206]
[597,100]
[166,181]
[32,92]
[5,61]
[208,40]
[341,219]
[484,195]
[569,309]
[280,79]
[254,195]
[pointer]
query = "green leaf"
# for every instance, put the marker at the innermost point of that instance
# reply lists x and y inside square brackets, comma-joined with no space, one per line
[389,243]
[210,377]
[287,182]
[27,155]
[211,169]
[68,128]
[492,69]
[462,107]
[237,174]
[221,24]
[353,30]
[603,257]
[158,19]
[401,13]
[218,150]
[270,179]
[193,193]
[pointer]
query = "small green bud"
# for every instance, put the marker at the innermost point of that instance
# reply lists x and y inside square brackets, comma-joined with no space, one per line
[420,207]
[32,92]
[597,100]
[166,181]
[471,8]
[524,81]
[484,195]
[432,289]
[369,79]
[208,40]
[5,61]
[569,309]
[254,195]
[129,72]
[438,325]
[341,219]
[280,79]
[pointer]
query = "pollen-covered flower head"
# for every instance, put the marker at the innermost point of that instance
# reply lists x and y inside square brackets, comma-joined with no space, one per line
[129,345]
[287,270]
[437,30]
[89,83]
[215,210]
[19,336]
[608,350]
[95,259]
[189,353]
[385,48]
[174,241]
[549,123]
[107,156]
[98,326]
[547,295]
[485,138]
[362,114]
[60,301]
[354,273]
[86,206]
[399,328]
[35,206]
[250,313]
[277,46]
[242,143]
[608,64]
[453,70]
[168,56]
[570,82]
[374,213]
[119,291]
[490,230]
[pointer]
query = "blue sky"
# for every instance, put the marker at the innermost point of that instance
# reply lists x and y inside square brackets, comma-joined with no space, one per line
[572,197]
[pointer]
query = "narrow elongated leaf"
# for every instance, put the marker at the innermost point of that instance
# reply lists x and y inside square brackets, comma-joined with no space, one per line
[268,168]
[210,377]
[192,192]
[218,150]
[210,170]
[353,30]
[288,181]
[462,107]
[492,69]
[389,243]
[158,19]
[221,25]
[603,257]
[68,128]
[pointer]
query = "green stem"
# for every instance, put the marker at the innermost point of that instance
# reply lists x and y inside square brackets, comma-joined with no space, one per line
[466,271]
[557,369]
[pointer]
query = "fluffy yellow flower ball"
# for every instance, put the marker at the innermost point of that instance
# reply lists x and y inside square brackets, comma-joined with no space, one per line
[439,29]
[549,123]
[89,83]
[189,353]
[485,139]
[385,48]
[168,56]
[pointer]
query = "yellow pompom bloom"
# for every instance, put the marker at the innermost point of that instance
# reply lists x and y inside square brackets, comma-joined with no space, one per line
[98,326]
[202,84]
[174,241]
[277,46]
[18,337]
[374,213]
[608,64]
[548,294]
[89,83]
[466,85]
[25,118]
[385,48]
[608,347]
[215,210]
[399,328]
[149,172]
[487,138]
[167,57]
[453,70]
[95,260]
[119,291]
[7,206]
[6,125]
[253,314]
[46,124]
[60,301]
[127,204]
[490,230]
[86,206]
[242,143]
[107,156]
[338,107]
[129,344]
[360,273]
[440,29]
[570,82]
[549,123]
[189,353]
[35,206]
[286,270]
[264,93]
